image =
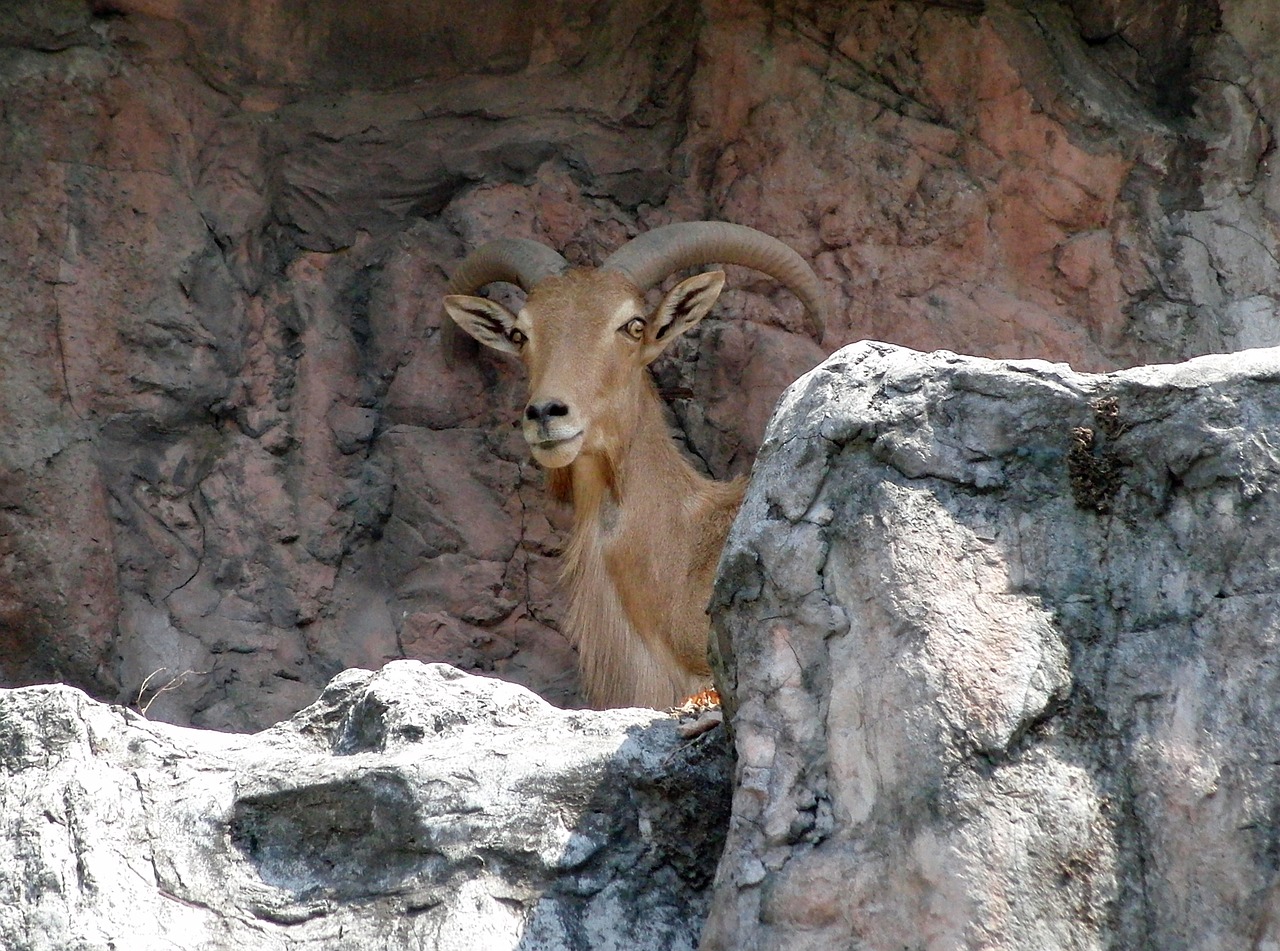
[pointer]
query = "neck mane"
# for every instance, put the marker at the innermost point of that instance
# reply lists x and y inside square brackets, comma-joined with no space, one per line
[631,505]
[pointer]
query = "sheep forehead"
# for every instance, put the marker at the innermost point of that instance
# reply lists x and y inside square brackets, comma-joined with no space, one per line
[582,301]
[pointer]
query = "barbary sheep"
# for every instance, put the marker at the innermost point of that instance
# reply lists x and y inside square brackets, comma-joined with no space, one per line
[647,528]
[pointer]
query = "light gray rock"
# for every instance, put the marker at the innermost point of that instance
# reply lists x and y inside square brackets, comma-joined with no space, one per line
[1000,643]
[418,807]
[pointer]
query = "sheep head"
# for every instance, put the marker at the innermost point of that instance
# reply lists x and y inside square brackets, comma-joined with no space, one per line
[585,334]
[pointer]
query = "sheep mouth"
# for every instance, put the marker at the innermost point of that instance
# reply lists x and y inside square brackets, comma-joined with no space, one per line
[557,452]
[557,441]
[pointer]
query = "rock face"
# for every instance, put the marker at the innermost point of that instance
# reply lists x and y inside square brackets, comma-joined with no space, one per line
[237,457]
[418,807]
[1003,642]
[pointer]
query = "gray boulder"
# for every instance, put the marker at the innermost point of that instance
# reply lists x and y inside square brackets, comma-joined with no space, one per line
[418,807]
[1002,645]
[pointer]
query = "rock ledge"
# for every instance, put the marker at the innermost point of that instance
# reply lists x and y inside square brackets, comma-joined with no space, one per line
[415,807]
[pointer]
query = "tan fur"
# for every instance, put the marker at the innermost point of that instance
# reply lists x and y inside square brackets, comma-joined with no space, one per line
[647,528]
[639,567]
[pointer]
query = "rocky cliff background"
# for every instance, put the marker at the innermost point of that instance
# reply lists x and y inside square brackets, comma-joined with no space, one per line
[239,452]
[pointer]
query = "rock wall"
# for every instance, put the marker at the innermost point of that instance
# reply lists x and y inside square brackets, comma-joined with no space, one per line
[1002,643]
[416,807]
[238,456]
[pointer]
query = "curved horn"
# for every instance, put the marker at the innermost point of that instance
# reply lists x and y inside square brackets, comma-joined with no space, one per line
[650,257]
[514,260]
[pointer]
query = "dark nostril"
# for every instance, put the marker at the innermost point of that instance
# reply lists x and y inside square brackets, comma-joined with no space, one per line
[539,412]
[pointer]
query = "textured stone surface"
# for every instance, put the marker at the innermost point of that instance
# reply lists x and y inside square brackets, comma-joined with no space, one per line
[1000,641]
[417,807]
[237,456]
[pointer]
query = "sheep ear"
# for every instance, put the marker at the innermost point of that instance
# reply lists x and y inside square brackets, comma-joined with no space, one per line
[487,321]
[685,304]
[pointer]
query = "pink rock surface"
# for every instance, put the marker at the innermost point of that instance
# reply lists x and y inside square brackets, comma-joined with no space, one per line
[241,451]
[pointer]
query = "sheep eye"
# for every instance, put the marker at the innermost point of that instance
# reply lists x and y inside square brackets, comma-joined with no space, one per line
[517,337]
[634,328]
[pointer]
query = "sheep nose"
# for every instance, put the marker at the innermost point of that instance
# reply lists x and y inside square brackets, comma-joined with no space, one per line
[544,412]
